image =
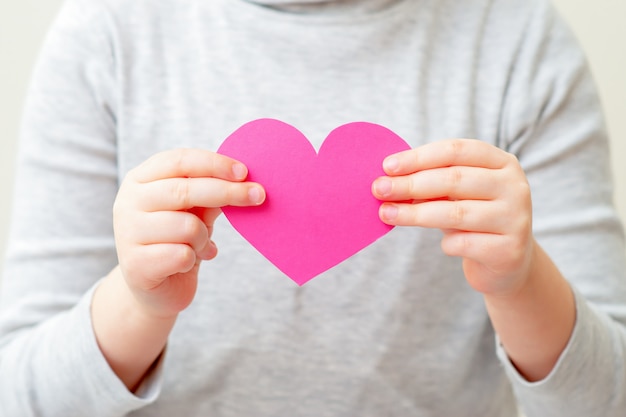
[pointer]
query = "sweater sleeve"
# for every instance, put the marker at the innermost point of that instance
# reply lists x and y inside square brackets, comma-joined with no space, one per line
[553,122]
[61,239]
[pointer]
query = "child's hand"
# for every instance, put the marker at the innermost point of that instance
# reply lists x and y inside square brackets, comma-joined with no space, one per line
[477,195]
[163,220]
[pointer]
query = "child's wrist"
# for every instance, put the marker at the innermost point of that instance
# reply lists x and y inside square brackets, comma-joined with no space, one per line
[135,304]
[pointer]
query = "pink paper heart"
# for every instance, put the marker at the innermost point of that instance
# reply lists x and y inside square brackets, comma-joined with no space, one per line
[319,209]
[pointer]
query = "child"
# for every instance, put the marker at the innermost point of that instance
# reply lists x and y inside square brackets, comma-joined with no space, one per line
[479,302]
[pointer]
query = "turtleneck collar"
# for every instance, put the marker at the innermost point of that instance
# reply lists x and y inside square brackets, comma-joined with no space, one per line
[327,6]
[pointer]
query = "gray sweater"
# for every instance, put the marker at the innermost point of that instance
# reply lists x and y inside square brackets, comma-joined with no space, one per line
[394,330]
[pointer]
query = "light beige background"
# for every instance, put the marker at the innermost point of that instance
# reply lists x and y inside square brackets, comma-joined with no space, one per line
[23,23]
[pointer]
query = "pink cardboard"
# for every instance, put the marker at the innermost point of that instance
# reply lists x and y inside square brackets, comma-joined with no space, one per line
[319,209]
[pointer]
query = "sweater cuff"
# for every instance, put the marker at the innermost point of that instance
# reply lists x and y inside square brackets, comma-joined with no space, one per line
[567,389]
[114,395]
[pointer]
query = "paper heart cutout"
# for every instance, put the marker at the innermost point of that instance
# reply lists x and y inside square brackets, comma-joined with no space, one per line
[319,209]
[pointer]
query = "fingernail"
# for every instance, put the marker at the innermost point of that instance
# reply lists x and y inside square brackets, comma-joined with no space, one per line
[255,195]
[389,212]
[391,164]
[239,171]
[383,187]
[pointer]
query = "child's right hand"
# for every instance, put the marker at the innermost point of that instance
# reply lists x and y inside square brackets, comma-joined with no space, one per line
[163,219]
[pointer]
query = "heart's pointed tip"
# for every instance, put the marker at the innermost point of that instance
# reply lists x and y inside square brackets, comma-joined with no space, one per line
[300,280]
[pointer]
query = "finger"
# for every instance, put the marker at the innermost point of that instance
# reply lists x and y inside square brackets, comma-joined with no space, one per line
[185,193]
[466,215]
[456,183]
[150,265]
[208,252]
[207,215]
[189,163]
[171,227]
[486,248]
[445,153]
[487,256]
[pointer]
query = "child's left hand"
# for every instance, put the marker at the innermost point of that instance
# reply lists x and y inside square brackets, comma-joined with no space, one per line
[478,195]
